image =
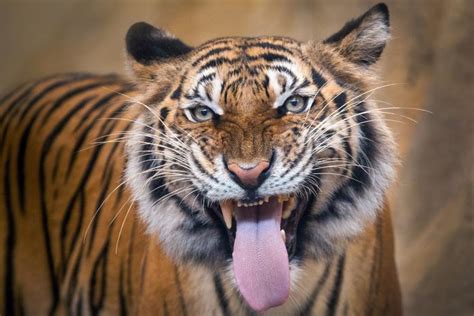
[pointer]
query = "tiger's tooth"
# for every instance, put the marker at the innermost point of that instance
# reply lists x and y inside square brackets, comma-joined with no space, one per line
[226,208]
[283,235]
[286,212]
[283,198]
[239,204]
[260,202]
[288,207]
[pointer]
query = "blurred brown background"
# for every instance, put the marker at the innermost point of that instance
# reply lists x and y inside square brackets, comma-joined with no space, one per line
[430,58]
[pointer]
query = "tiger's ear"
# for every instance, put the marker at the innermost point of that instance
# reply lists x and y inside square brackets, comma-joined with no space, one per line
[148,46]
[362,40]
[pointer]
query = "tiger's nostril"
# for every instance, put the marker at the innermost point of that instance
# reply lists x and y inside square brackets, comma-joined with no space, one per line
[249,177]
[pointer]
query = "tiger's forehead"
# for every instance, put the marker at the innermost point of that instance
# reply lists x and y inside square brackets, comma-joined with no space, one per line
[233,72]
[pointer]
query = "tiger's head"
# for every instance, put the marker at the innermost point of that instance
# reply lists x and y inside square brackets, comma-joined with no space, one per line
[258,153]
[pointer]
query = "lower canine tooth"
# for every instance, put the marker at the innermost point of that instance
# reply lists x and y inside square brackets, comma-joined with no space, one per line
[286,213]
[288,208]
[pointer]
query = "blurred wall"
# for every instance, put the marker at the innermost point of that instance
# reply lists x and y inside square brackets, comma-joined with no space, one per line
[429,59]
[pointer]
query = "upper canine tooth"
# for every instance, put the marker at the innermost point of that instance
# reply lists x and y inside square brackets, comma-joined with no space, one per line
[283,235]
[226,208]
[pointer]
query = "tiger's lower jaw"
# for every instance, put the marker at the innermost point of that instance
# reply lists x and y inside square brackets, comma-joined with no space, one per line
[262,235]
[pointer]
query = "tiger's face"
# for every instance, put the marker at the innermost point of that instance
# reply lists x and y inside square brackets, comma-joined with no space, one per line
[258,152]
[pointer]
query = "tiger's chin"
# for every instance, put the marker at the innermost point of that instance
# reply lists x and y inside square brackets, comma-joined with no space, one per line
[262,234]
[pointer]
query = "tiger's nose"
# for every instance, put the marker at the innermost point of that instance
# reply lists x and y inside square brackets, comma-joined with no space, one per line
[249,177]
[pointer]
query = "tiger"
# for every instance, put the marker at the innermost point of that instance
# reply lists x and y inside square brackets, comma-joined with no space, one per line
[243,176]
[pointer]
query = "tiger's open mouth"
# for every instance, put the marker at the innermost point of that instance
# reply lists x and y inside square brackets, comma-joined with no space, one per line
[292,208]
[262,234]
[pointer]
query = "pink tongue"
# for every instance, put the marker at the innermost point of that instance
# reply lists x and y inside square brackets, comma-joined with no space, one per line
[260,257]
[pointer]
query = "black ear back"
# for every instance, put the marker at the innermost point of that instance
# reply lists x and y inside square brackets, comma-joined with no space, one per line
[362,40]
[147,44]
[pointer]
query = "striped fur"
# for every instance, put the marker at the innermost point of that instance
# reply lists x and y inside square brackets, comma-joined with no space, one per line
[110,187]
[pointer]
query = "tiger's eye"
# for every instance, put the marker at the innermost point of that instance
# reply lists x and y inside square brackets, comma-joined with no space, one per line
[295,104]
[202,113]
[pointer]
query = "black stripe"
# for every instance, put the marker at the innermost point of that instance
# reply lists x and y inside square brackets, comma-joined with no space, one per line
[57,162]
[177,92]
[79,305]
[75,273]
[182,303]
[336,290]
[266,82]
[283,69]
[340,101]
[149,161]
[159,96]
[268,45]
[166,312]
[121,293]
[376,264]
[318,79]
[209,54]
[143,269]
[107,175]
[331,210]
[368,151]
[206,78]
[217,62]
[269,57]
[306,311]
[221,295]
[164,111]
[10,241]
[98,281]
[129,262]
